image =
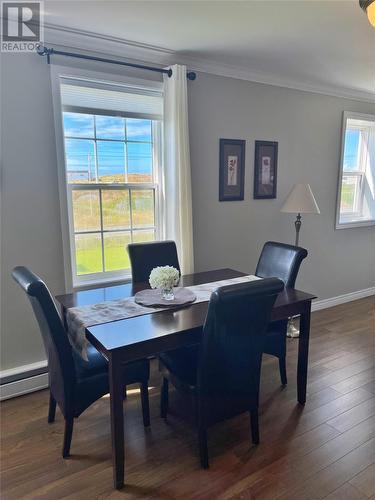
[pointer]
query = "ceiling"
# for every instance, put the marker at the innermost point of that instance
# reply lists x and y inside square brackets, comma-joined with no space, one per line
[313,44]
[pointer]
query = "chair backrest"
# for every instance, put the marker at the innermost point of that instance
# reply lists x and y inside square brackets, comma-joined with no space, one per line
[282,261]
[231,349]
[61,369]
[145,256]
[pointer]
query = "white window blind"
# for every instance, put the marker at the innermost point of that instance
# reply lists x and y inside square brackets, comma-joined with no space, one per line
[119,100]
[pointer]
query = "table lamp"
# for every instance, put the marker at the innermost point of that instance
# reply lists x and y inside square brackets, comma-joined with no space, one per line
[300,201]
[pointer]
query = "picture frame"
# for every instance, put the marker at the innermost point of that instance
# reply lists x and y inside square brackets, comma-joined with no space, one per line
[265,170]
[232,169]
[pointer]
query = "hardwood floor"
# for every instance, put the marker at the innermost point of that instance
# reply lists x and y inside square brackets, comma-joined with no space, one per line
[324,450]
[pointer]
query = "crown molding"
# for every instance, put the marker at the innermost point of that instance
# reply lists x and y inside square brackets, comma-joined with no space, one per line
[108,45]
[159,56]
[221,69]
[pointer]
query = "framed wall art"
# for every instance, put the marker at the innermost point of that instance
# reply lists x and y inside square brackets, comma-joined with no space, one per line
[232,169]
[265,169]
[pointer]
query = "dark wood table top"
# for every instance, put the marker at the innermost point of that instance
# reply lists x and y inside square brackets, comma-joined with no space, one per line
[132,333]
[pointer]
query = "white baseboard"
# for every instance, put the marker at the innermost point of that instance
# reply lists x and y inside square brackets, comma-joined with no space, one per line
[24,386]
[317,305]
[19,370]
[38,382]
[25,381]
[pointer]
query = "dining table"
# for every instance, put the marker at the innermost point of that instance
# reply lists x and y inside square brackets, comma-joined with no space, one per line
[126,340]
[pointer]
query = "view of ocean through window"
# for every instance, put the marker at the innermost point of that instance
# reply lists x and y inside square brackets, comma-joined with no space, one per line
[107,149]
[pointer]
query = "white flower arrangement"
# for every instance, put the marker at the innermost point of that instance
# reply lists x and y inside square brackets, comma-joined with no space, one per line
[165,277]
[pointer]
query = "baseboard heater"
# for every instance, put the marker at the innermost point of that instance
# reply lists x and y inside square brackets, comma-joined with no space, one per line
[18,382]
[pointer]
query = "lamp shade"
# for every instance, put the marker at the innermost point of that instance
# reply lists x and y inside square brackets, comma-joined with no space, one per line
[301,201]
[369,8]
[371,13]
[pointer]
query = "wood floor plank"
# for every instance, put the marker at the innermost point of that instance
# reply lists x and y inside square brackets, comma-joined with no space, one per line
[336,474]
[352,417]
[289,472]
[346,492]
[337,376]
[370,387]
[363,379]
[365,481]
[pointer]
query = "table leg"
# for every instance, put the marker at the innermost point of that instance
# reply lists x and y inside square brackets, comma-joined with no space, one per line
[303,353]
[117,421]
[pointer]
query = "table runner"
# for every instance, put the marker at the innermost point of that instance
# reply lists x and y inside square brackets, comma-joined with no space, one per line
[79,318]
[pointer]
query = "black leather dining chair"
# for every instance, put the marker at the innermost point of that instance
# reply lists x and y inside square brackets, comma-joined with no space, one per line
[145,256]
[279,260]
[222,374]
[73,382]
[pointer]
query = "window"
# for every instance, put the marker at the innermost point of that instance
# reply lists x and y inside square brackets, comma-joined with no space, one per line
[356,198]
[112,150]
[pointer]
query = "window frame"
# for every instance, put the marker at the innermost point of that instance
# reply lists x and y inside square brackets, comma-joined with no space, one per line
[72,280]
[360,221]
[358,202]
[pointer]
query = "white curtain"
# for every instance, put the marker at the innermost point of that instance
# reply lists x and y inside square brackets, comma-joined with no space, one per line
[177,175]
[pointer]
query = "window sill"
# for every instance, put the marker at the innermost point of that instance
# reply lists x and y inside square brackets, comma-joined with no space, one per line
[102,282]
[356,223]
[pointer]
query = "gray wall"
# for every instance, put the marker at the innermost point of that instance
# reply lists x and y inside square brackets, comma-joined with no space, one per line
[30,212]
[307,127]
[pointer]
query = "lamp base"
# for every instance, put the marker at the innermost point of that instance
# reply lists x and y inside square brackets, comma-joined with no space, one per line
[292,331]
[297,224]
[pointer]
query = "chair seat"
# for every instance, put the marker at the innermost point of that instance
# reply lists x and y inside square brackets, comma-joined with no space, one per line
[182,363]
[220,377]
[97,365]
[74,383]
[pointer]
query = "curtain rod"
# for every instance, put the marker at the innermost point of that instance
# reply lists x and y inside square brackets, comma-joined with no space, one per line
[42,50]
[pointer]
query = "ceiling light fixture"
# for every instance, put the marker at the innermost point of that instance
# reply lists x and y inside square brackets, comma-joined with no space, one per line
[368,6]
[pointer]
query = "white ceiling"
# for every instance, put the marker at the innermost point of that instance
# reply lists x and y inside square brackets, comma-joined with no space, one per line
[309,43]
